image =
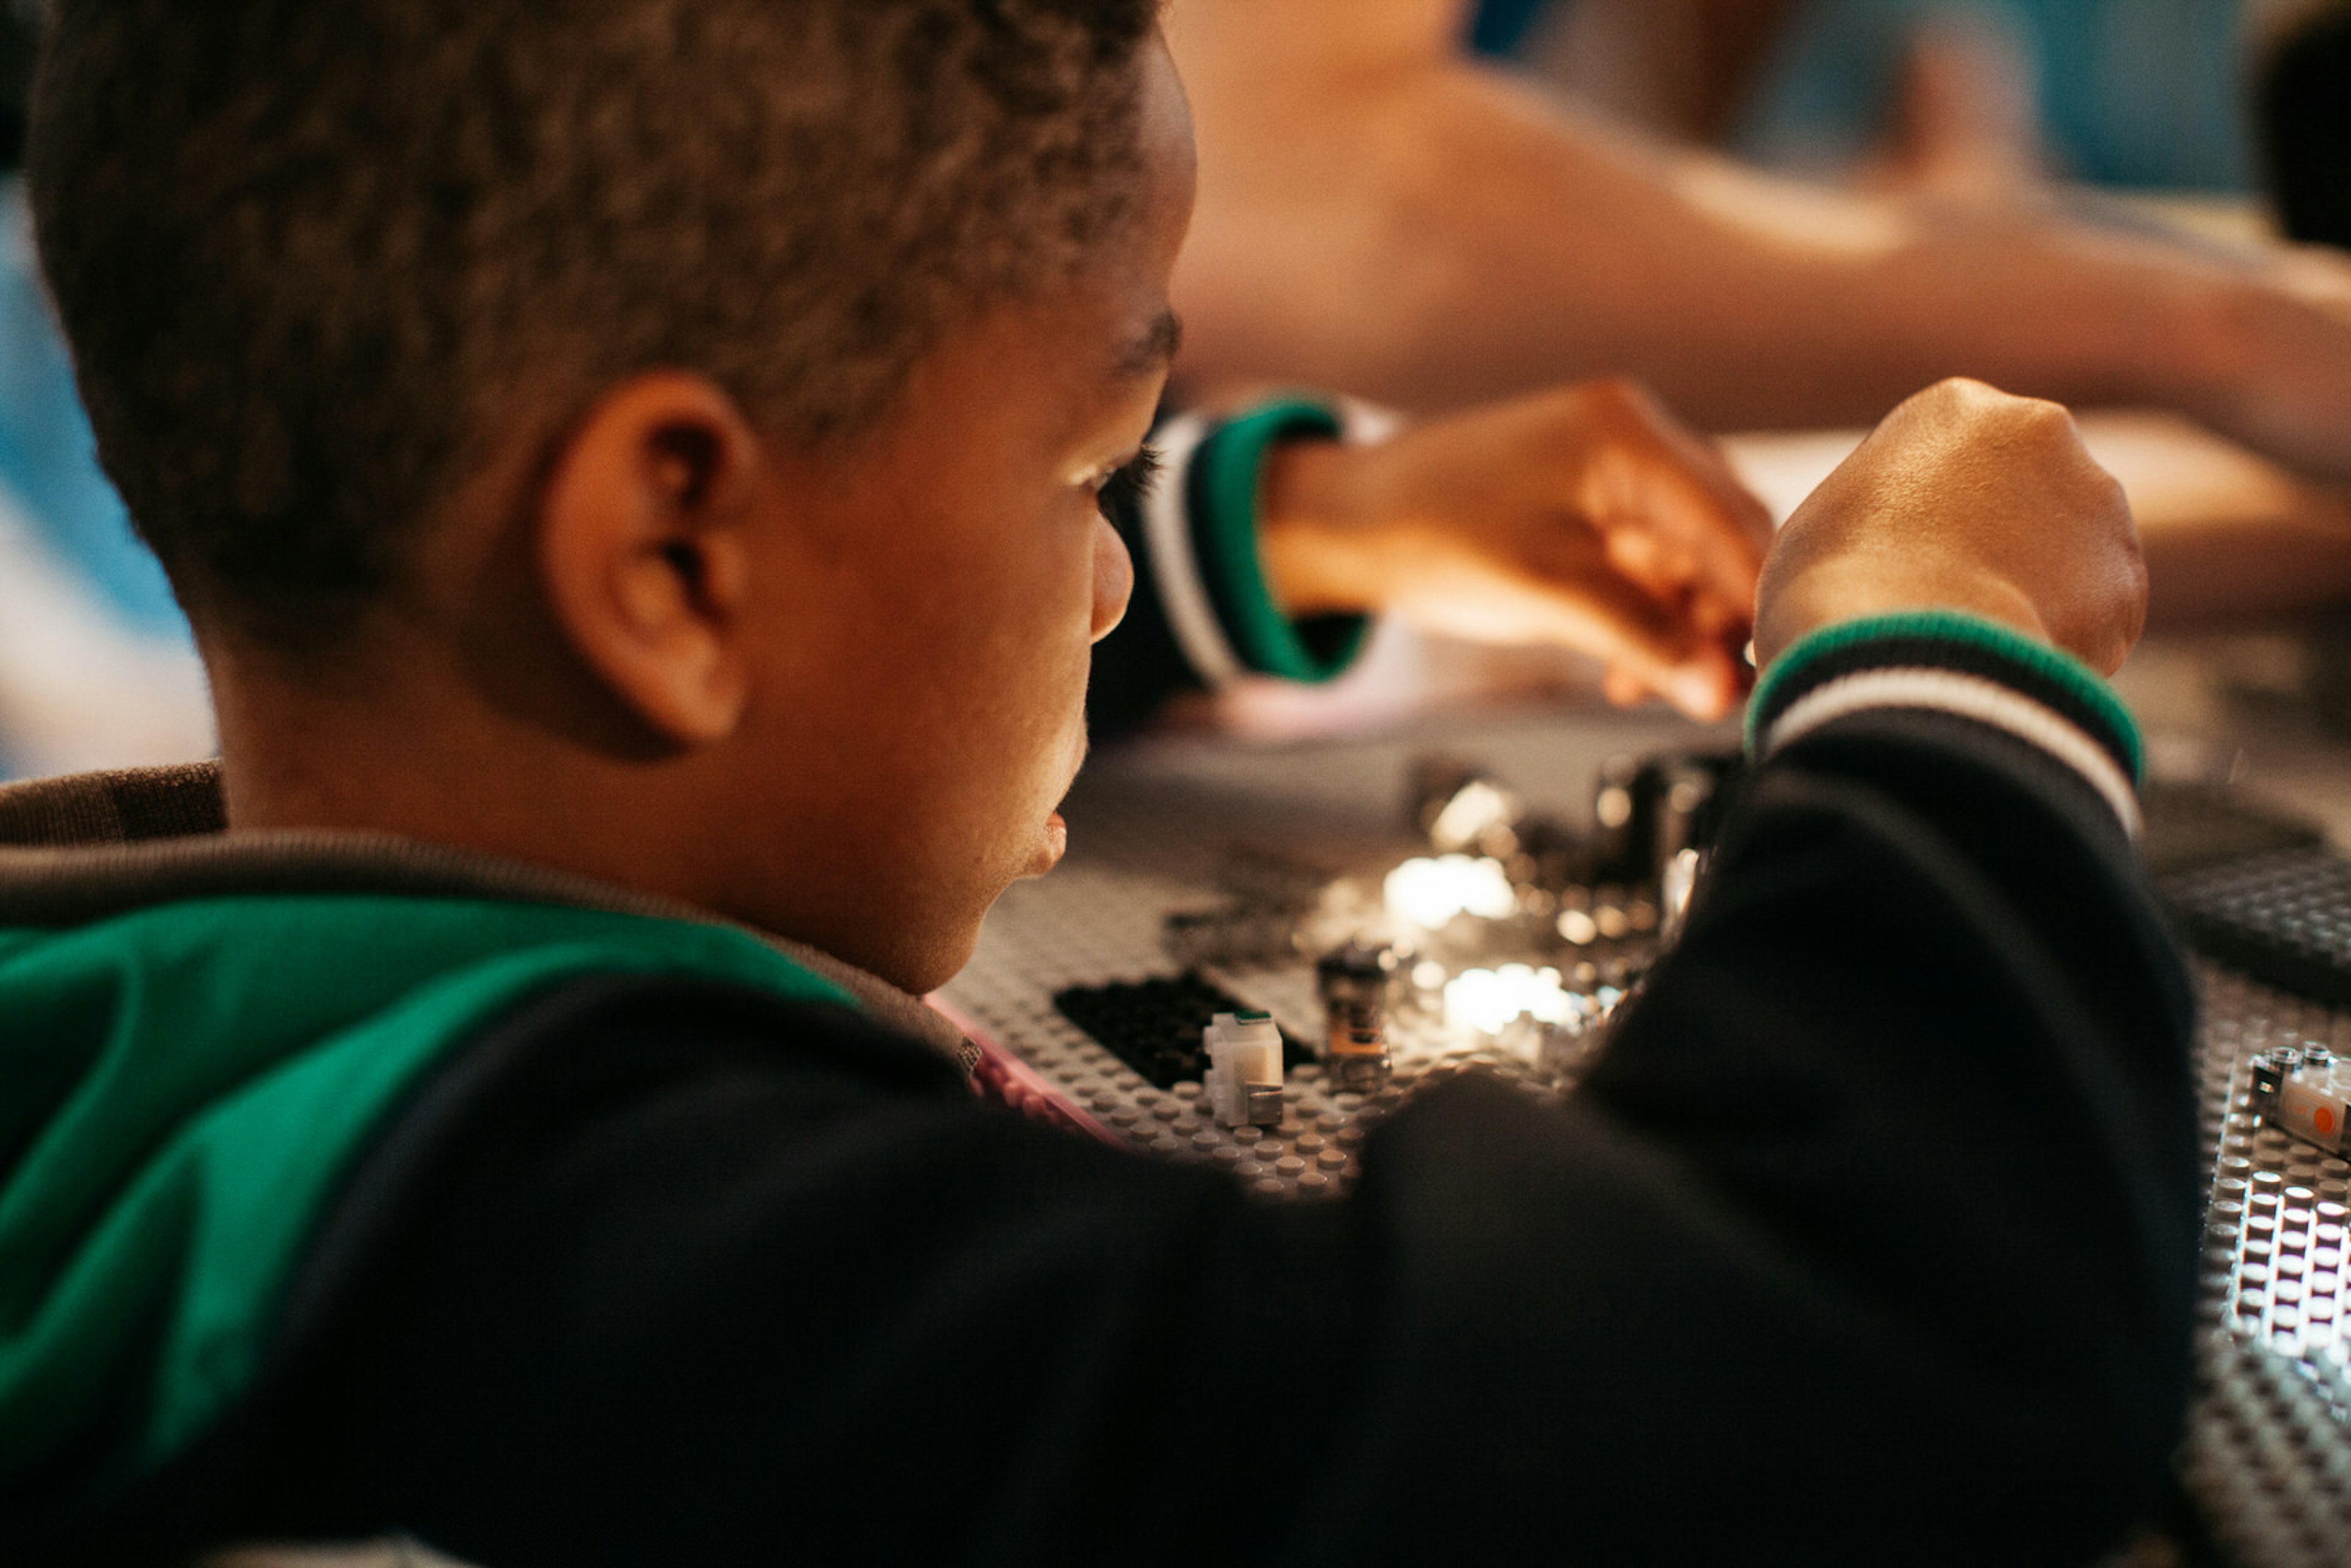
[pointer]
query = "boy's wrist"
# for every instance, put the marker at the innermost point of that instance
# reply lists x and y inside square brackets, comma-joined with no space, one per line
[1834,593]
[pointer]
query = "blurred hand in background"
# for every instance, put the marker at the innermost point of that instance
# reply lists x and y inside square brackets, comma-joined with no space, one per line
[1583,518]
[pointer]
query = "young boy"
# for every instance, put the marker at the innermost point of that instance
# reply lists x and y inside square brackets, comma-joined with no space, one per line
[633,466]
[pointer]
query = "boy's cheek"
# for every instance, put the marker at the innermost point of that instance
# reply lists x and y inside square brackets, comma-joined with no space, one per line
[994,680]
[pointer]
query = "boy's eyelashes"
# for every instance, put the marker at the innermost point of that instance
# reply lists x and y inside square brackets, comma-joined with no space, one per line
[1122,492]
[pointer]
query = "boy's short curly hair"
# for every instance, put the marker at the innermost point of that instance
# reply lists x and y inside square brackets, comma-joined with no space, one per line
[310,253]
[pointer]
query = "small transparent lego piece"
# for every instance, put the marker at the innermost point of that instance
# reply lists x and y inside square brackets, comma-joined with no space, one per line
[1618,829]
[1646,813]
[1243,1076]
[1687,795]
[1360,1061]
[1476,818]
[1458,805]
[1675,883]
[1245,936]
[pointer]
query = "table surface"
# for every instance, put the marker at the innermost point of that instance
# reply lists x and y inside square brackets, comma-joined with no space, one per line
[2269,1461]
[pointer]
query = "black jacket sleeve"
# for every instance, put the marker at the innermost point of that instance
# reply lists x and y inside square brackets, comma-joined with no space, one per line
[1870,1241]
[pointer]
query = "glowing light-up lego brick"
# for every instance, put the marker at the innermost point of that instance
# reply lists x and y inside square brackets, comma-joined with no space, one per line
[1431,892]
[1488,999]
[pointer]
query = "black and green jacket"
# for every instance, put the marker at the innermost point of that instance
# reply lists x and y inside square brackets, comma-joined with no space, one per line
[355,1188]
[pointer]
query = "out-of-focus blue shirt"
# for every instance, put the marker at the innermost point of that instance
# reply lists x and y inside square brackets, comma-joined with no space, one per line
[1500,26]
[2131,92]
[48,460]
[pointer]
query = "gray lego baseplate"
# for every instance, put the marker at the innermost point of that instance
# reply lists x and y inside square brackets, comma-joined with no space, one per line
[2268,1458]
[1196,827]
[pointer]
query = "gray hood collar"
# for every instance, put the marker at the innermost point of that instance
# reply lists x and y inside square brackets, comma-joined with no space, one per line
[80,849]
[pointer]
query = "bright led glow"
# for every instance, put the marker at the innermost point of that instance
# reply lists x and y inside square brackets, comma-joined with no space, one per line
[1428,893]
[1488,1000]
[1469,815]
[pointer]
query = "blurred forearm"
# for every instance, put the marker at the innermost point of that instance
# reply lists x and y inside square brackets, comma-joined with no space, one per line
[1378,215]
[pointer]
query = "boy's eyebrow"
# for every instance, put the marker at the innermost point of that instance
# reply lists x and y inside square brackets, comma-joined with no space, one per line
[1154,349]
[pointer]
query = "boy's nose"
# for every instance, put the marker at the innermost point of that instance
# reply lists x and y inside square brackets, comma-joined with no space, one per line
[1113,578]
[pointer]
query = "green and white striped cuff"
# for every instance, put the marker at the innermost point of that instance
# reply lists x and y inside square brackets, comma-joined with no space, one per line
[1958,664]
[1200,530]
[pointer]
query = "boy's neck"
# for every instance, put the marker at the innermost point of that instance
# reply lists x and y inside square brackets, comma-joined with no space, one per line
[422,756]
[508,750]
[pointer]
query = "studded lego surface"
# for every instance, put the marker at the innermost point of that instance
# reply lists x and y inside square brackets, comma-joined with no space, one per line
[2283,916]
[1156,1028]
[2267,1459]
[1102,932]
[1212,859]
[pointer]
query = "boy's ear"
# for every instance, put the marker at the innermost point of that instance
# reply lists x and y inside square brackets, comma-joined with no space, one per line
[644,551]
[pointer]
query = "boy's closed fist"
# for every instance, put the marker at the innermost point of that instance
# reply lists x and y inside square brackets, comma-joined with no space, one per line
[1965,499]
[1584,517]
